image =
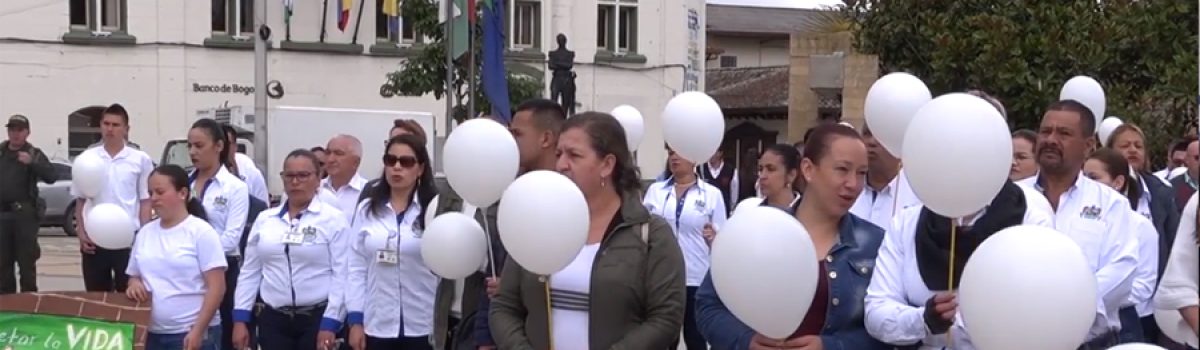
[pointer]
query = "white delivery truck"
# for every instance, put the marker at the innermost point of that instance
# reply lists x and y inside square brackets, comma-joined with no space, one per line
[291,128]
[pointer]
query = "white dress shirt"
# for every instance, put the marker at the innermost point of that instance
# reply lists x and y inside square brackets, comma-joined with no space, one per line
[1098,218]
[381,295]
[896,297]
[256,184]
[1170,173]
[171,263]
[226,202]
[879,207]
[293,262]
[347,195]
[1146,274]
[1181,279]
[734,183]
[700,204]
[128,178]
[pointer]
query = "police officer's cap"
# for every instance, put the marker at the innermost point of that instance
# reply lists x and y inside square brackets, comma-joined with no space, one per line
[17,121]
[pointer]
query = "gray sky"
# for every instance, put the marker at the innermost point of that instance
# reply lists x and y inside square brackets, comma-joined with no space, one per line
[778,3]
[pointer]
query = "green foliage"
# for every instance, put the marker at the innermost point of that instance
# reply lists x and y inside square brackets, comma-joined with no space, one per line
[1022,51]
[424,71]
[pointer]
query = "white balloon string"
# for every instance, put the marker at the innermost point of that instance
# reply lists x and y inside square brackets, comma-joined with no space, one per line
[491,253]
[950,284]
[549,315]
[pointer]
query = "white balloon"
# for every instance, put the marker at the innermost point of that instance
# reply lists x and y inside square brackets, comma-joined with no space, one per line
[1137,346]
[891,104]
[693,125]
[109,226]
[1171,322]
[1088,92]
[758,247]
[1106,129]
[544,243]
[481,160]
[89,173]
[454,246]
[1027,287]
[635,126]
[954,133]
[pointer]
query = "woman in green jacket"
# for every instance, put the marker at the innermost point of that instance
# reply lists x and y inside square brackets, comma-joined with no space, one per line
[625,289]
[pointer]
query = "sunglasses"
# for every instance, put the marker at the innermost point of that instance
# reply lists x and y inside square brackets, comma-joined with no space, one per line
[405,161]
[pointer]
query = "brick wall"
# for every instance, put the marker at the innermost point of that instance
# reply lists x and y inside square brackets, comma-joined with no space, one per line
[100,306]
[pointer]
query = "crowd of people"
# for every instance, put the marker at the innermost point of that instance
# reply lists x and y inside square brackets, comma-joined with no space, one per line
[337,263]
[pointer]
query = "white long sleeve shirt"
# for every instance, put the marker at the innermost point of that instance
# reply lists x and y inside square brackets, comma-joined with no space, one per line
[687,213]
[226,202]
[1181,279]
[896,297]
[171,261]
[1098,218]
[347,196]
[128,181]
[256,184]
[879,207]
[293,262]
[383,295]
[1145,277]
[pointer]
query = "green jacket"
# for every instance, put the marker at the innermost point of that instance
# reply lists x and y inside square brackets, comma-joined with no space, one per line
[638,291]
[474,285]
[18,181]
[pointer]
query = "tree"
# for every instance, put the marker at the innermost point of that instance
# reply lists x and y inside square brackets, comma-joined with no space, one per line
[1022,51]
[424,71]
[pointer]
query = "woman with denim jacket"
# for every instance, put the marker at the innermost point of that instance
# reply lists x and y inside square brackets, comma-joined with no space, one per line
[834,163]
[907,301]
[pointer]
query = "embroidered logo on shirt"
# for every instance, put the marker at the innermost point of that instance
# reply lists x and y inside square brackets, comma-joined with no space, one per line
[310,233]
[220,201]
[700,203]
[1090,212]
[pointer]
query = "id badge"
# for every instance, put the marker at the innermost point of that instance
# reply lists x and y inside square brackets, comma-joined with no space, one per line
[293,238]
[386,257]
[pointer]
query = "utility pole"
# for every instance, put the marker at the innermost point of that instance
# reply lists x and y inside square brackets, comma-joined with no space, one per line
[448,40]
[260,83]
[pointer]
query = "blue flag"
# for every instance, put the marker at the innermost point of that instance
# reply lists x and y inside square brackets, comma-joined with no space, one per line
[495,77]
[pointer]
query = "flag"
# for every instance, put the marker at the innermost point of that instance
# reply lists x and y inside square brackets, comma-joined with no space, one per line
[344,13]
[288,5]
[495,77]
[391,8]
[461,26]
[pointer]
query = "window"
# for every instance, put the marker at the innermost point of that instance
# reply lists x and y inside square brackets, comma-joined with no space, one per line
[233,17]
[525,24]
[407,35]
[728,61]
[101,16]
[617,26]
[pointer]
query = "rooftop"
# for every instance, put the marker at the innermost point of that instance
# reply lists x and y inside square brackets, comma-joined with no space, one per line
[748,88]
[759,21]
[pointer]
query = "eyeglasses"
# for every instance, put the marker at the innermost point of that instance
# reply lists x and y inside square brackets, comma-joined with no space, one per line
[295,176]
[405,161]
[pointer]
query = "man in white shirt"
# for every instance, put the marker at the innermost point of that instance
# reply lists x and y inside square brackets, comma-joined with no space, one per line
[1175,157]
[341,166]
[243,167]
[715,173]
[887,191]
[128,172]
[1094,215]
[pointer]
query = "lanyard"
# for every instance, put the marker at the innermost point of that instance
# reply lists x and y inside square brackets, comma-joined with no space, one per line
[680,200]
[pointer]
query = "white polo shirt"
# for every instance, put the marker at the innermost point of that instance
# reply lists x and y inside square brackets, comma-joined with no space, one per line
[1098,219]
[226,201]
[347,196]
[379,295]
[294,274]
[879,207]
[1145,277]
[171,261]
[128,178]
[256,184]
[687,213]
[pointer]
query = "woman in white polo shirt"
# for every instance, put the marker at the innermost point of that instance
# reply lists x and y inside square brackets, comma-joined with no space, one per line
[696,210]
[390,294]
[178,264]
[292,256]
[226,200]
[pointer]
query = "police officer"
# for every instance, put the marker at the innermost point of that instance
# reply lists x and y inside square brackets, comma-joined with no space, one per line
[21,166]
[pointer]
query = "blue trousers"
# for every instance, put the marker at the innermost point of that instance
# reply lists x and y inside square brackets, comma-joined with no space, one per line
[1131,326]
[175,341]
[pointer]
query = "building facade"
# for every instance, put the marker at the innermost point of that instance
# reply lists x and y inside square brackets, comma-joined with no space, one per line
[169,61]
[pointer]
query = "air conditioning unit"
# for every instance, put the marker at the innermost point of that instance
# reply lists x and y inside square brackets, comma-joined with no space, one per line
[232,115]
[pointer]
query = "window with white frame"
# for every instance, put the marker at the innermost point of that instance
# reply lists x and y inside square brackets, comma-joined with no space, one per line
[407,34]
[525,24]
[233,17]
[617,23]
[102,16]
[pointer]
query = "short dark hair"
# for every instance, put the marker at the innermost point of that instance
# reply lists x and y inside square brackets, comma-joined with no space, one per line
[608,137]
[118,110]
[1087,119]
[789,154]
[547,114]
[305,154]
[822,138]
[317,149]
[1182,144]
[1025,134]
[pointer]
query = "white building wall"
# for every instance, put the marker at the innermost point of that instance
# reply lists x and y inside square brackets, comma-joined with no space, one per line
[46,80]
[751,52]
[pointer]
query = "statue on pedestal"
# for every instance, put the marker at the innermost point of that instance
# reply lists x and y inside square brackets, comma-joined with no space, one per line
[562,81]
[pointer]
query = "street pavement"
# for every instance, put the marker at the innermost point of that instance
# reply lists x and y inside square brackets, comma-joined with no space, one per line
[58,269]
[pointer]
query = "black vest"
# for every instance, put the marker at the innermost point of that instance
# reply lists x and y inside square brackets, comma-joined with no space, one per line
[722,181]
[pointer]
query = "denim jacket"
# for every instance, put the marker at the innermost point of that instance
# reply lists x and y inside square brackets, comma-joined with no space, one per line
[850,264]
